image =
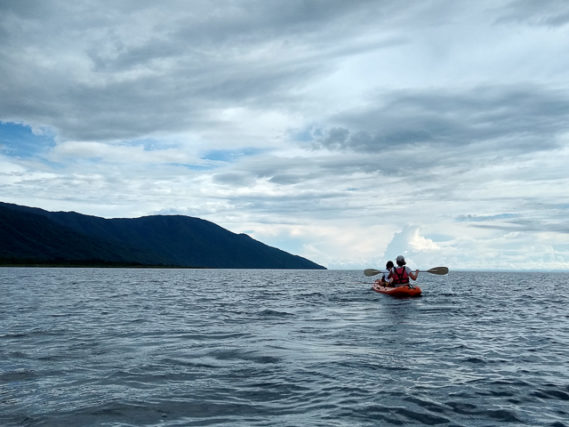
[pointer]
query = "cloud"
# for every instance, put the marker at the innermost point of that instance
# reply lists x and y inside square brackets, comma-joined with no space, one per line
[415,247]
[97,76]
[336,124]
[529,226]
[115,153]
[507,250]
[550,13]
[484,218]
[510,118]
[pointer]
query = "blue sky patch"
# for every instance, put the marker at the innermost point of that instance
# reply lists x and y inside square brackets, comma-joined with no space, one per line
[18,140]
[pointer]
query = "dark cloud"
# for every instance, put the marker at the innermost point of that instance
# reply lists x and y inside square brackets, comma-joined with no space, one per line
[116,70]
[236,179]
[516,118]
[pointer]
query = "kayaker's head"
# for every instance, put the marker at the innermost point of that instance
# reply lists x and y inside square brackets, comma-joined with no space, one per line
[389,265]
[400,261]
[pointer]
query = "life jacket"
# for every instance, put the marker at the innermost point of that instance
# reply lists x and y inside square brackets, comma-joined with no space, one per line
[400,276]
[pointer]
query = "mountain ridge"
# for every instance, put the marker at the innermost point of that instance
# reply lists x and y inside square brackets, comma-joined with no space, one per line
[30,235]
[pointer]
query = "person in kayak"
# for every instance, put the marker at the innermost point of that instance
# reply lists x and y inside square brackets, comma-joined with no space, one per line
[400,275]
[385,281]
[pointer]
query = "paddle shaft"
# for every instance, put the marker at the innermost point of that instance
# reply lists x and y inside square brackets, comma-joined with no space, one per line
[436,270]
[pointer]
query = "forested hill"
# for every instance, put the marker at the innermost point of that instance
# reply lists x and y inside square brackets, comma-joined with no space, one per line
[35,236]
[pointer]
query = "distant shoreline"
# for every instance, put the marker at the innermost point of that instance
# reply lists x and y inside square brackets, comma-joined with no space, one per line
[126,265]
[36,237]
[83,264]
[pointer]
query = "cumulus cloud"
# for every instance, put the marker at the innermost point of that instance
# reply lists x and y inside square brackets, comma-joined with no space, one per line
[416,248]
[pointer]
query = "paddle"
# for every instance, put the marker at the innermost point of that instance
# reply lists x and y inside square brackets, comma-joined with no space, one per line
[441,271]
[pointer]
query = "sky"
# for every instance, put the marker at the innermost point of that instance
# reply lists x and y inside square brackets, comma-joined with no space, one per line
[347,132]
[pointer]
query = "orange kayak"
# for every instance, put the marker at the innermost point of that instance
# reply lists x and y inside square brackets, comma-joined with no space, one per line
[399,291]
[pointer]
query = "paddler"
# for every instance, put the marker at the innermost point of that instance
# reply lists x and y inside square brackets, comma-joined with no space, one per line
[384,280]
[400,275]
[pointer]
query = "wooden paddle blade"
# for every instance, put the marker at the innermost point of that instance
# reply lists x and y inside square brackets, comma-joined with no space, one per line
[371,272]
[438,270]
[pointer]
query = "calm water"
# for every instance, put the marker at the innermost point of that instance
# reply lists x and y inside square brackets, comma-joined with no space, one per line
[280,348]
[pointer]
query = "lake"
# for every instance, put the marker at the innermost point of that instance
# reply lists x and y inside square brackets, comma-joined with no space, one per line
[187,347]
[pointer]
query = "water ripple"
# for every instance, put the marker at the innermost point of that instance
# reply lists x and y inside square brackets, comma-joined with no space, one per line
[257,348]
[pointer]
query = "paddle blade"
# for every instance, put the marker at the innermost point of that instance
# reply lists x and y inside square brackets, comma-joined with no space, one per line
[371,272]
[438,270]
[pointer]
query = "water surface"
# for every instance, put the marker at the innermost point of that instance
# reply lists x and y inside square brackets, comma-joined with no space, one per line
[280,348]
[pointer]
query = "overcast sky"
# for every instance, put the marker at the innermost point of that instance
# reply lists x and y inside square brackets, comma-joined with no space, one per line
[347,132]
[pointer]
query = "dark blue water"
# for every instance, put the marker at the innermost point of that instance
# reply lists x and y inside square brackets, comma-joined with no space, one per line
[280,348]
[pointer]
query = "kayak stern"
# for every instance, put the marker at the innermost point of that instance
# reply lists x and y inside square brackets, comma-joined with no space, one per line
[403,291]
